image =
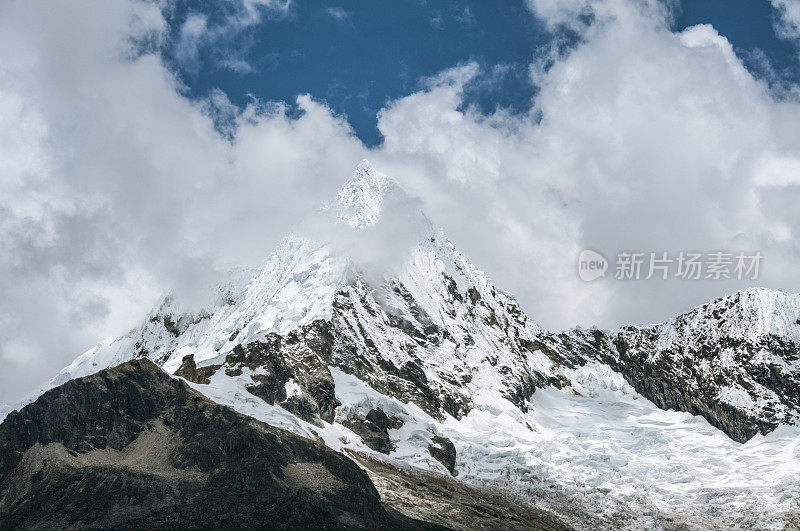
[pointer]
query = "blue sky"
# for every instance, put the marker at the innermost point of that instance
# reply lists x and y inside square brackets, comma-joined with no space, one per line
[357,56]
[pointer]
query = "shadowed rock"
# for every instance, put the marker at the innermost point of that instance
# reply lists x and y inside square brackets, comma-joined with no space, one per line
[373,430]
[133,447]
[444,451]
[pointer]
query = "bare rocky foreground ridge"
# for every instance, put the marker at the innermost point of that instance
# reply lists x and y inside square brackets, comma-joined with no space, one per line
[133,447]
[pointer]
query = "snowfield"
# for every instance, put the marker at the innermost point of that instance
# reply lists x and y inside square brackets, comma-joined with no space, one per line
[632,463]
[595,454]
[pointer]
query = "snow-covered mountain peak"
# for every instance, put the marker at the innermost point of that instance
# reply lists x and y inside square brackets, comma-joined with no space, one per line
[734,360]
[358,203]
[748,314]
[430,328]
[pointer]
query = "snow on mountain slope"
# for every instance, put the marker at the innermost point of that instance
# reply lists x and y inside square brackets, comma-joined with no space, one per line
[358,202]
[4,410]
[735,361]
[402,361]
[598,454]
[612,453]
[436,333]
[445,317]
[750,315]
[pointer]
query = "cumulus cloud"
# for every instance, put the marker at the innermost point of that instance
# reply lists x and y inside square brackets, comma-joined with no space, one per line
[582,15]
[114,186]
[639,139]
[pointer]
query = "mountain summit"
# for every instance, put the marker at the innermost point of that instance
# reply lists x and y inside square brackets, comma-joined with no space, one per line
[735,361]
[358,202]
[437,333]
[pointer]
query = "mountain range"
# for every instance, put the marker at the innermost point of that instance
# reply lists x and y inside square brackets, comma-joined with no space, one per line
[407,360]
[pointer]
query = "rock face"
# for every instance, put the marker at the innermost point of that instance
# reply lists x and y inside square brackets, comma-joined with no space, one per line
[133,447]
[452,503]
[444,451]
[734,361]
[373,430]
[290,371]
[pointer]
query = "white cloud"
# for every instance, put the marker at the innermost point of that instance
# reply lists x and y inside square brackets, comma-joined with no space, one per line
[197,34]
[113,186]
[194,32]
[641,139]
[583,15]
[337,13]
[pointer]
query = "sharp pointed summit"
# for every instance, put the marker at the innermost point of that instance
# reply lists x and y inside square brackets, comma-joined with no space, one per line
[358,203]
[435,333]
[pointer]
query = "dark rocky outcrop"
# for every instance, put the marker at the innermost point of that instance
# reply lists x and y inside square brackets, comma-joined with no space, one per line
[191,372]
[673,379]
[274,361]
[360,323]
[444,451]
[441,499]
[373,430]
[132,447]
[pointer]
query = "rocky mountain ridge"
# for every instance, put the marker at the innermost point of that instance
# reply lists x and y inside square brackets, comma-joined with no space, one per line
[132,447]
[734,361]
[437,333]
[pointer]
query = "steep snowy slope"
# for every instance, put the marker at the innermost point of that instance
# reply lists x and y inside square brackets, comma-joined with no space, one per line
[436,333]
[736,361]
